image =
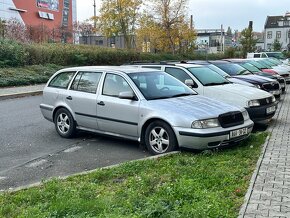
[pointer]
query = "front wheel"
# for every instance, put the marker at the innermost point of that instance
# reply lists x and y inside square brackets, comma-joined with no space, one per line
[160,138]
[64,123]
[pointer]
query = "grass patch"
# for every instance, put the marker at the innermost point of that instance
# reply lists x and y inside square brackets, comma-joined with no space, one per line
[28,75]
[209,184]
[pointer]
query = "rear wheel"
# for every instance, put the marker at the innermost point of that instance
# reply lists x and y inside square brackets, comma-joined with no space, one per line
[160,138]
[64,123]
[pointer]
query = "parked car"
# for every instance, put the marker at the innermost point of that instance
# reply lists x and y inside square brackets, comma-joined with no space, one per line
[145,105]
[282,70]
[239,72]
[260,105]
[278,55]
[256,71]
[220,72]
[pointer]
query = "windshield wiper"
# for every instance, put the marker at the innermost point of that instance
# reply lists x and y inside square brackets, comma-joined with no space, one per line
[182,94]
[214,84]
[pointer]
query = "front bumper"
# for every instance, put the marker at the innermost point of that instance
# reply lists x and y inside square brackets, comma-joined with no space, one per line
[259,114]
[201,139]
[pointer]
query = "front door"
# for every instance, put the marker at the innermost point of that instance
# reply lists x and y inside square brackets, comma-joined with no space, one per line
[115,115]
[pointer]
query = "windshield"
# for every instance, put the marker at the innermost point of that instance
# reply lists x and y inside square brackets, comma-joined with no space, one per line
[233,69]
[159,85]
[258,65]
[218,70]
[250,67]
[207,77]
[267,63]
[278,55]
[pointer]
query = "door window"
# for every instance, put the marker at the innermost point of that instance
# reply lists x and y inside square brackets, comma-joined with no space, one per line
[114,84]
[86,82]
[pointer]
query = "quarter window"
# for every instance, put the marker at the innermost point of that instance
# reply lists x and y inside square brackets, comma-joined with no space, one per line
[114,84]
[61,80]
[86,82]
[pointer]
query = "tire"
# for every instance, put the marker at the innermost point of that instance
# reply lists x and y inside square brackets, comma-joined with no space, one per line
[64,123]
[160,138]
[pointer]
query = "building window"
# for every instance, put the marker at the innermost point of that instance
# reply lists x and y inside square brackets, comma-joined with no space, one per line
[99,42]
[269,35]
[278,35]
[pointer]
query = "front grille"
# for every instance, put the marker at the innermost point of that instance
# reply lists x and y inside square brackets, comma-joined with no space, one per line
[231,119]
[266,101]
[271,86]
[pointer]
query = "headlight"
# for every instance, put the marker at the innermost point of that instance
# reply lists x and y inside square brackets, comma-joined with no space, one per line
[273,98]
[203,124]
[257,86]
[246,115]
[253,103]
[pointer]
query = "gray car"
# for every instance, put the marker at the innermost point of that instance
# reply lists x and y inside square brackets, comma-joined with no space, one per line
[145,105]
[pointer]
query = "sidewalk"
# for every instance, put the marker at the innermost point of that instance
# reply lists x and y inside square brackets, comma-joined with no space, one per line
[269,192]
[21,91]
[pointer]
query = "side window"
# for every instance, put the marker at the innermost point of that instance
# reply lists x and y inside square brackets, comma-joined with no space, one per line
[114,84]
[61,80]
[86,82]
[177,73]
[256,55]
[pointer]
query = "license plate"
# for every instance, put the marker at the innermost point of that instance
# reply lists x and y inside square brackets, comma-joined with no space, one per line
[238,132]
[271,109]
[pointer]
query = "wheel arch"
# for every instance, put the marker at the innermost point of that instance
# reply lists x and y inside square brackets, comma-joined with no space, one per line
[147,123]
[62,107]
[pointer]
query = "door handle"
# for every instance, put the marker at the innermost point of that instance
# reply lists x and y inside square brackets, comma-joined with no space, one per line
[69,98]
[101,103]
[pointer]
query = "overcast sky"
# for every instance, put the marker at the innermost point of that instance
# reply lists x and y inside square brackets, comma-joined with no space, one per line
[211,14]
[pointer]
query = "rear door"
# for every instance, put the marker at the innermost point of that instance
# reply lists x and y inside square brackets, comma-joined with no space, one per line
[82,98]
[115,115]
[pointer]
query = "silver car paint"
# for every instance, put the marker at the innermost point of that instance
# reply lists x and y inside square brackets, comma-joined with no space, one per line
[178,112]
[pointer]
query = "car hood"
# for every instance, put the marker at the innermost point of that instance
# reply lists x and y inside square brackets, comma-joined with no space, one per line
[189,107]
[239,81]
[235,94]
[252,79]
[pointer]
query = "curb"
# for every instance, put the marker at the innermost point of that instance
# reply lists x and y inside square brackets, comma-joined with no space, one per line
[37,184]
[248,195]
[19,95]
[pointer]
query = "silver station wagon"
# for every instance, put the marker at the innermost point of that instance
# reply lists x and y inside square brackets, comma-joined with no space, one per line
[145,105]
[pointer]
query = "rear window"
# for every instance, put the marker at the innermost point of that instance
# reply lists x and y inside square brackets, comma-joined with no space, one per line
[61,80]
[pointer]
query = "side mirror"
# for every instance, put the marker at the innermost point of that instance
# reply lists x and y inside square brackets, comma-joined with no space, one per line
[127,95]
[189,83]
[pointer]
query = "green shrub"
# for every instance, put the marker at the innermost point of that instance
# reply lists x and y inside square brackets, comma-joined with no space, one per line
[12,53]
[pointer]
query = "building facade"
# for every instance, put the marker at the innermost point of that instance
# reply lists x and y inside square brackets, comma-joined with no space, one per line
[49,13]
[212,40]
[277,27]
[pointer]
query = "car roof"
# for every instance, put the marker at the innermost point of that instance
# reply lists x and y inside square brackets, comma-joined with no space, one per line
[219,62]
[123,69]
[237,60]
[169,64]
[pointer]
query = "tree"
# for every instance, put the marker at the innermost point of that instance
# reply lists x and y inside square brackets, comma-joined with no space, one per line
[175,33]
[247,40]
[277,45]
[15,30]
[229,32]
[118,17]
